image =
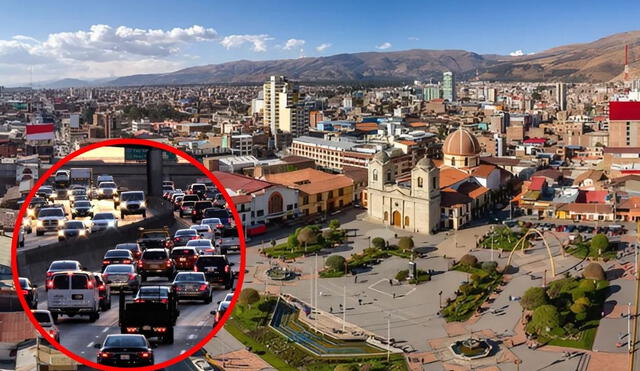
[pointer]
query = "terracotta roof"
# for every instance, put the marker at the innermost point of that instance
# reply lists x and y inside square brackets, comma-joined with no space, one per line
[407,142]
[461,143]
[630,203]
[311,181]
[587,208]
[625,178]
[358,174]
[596,175]
[549,173]
[537,183]
[241,199]
[472,189]
[292,159]
[450,176]
[451,198]
[241,183]
[483,170]
[621,150]
[504,161]
[418,124]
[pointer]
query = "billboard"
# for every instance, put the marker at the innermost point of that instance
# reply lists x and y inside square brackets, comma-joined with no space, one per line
[40,131]
[74,121]
[140,154]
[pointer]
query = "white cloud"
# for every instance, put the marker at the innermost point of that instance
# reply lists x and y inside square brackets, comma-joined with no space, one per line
[234,41]
[517,53]
[383,46]
[293,44]
[413,38]
[324,46]
[98,51]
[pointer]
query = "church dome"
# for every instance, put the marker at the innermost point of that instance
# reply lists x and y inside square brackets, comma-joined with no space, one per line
[425,163]
[461,143]
[381,156]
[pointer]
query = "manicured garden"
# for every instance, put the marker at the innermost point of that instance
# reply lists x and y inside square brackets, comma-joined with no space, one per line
[598,247]
[249,324]
[484,279]
[501,238]
[568,311]
[307,241]
[421,276]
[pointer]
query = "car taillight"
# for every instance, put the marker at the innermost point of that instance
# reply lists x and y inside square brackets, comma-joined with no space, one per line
[217,316]
[89,285]
[101,287]
[219,225]
[140,264]
[219,242]
[49,284]
[167,243]
[132,276]
[226,268]
[160,329]
[105,262]
[132,329]
[193,238]
[138,301]
[105,354]
[195,268]
[193,212]
[52,333]
[126,261]
[25,292]
[144,355]
[168,262]
[164,301]
[176,239]
[203,287]
[49,274]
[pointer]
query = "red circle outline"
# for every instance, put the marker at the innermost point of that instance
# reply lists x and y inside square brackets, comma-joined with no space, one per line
[139,142]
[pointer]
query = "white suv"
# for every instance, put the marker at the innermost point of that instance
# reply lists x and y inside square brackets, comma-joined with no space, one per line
[73,293]
[45,319]
[132,202]
[50,219]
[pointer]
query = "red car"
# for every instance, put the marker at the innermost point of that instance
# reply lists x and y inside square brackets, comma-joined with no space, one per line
[184,257]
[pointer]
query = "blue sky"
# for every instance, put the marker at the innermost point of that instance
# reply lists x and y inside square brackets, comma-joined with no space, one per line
[55,39]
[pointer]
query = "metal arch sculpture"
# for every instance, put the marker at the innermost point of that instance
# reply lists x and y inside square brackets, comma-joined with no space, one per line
[523,238]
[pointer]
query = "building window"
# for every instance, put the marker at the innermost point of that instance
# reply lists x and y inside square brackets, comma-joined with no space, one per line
[386,216]
[389,176]
[341,192]
[434,183]
[319,209]
[466,161]
[305,200]
[406,221]
[420,181]
[319,197]
[453,161]
[260,213]
[289,207]
[375,175]
[330,194]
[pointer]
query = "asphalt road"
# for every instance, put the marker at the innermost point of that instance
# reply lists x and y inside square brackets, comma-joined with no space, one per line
[195,321]
[32,241]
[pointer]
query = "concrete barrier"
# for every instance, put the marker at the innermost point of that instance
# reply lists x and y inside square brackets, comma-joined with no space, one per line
[34,263]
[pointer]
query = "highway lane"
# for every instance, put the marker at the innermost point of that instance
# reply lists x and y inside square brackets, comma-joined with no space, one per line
[195,321]
[32,241]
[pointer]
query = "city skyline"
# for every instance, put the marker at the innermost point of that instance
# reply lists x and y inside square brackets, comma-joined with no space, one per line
[104,42]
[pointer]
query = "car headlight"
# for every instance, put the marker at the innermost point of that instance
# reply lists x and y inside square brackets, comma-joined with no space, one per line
[100,190]
[111,223]
[39,223]
[60,222]
[69,193]
[123,204]
[53,195]
[61,232]
[81,232]
[143,204]
[31,212]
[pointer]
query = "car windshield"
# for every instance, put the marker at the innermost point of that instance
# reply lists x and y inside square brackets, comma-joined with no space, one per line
[231,232]
[62,266]
[224,305]
[188,203]
[82,204]
[154,235]
[218,213]
[153,291]
[182,252]
[199,187]
[189,277]
[119,268]
[79,282]
[201,205]
[200,228]
[154,255]
[103,216]
[74,225]
[200,243]
[133,196]
[117,254]
[127,246]
[107,185]
[211,261]
[42,317]
[51,212]
[186,232]
[209,221]
[23,283]
[125,341]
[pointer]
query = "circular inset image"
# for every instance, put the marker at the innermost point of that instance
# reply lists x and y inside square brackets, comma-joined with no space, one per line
[134,252]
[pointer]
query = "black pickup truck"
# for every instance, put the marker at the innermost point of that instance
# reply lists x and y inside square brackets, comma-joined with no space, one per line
[154,238]
[150,318]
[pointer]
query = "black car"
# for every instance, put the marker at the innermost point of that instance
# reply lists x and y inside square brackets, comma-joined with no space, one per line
[29,291]
[192,286]
[216,268]
[104,291]
[183,236]
[223,214]
[72,229]
[117,256]
[136,250]
[198,210]
[81,208]
[153,294]
[44,192]
[125,350]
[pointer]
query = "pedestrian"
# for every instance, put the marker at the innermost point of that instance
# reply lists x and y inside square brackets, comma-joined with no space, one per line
[340,306]
[355,278]
[390,282]
[330,309]
[394,295]
[359,301]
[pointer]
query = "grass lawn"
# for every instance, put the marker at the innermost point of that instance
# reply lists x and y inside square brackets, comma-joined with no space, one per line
[400,253]
[331,274]
[283,250]
[584,341]
[582,250]
[477,292]
[503,239]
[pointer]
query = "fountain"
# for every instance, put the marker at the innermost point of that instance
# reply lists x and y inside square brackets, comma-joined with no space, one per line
[470,349]
[280,274]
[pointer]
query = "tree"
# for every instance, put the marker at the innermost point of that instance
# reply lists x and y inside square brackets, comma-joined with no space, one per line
[292,241]
[533,298]
[378,242]
[599,243]
[249,296]
[334,224]
[469,260]
[346,368]
[489,267]
[335,263]
[307,236]
[594,271]
[545,319]
[405,243]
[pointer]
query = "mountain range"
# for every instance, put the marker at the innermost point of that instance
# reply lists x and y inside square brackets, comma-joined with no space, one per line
[598,61]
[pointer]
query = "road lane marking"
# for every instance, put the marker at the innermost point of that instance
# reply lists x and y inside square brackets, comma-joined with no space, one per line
[105,330]
[182,351]
[191,337]
[90,344]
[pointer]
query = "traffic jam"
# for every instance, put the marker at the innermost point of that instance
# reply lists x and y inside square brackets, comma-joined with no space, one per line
[145,300]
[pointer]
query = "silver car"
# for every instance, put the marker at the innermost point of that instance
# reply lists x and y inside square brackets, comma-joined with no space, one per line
[122,277]
[103,221]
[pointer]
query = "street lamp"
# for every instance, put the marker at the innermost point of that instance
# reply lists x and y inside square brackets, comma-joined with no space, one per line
[491,231]
[629,340]
[440,298]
